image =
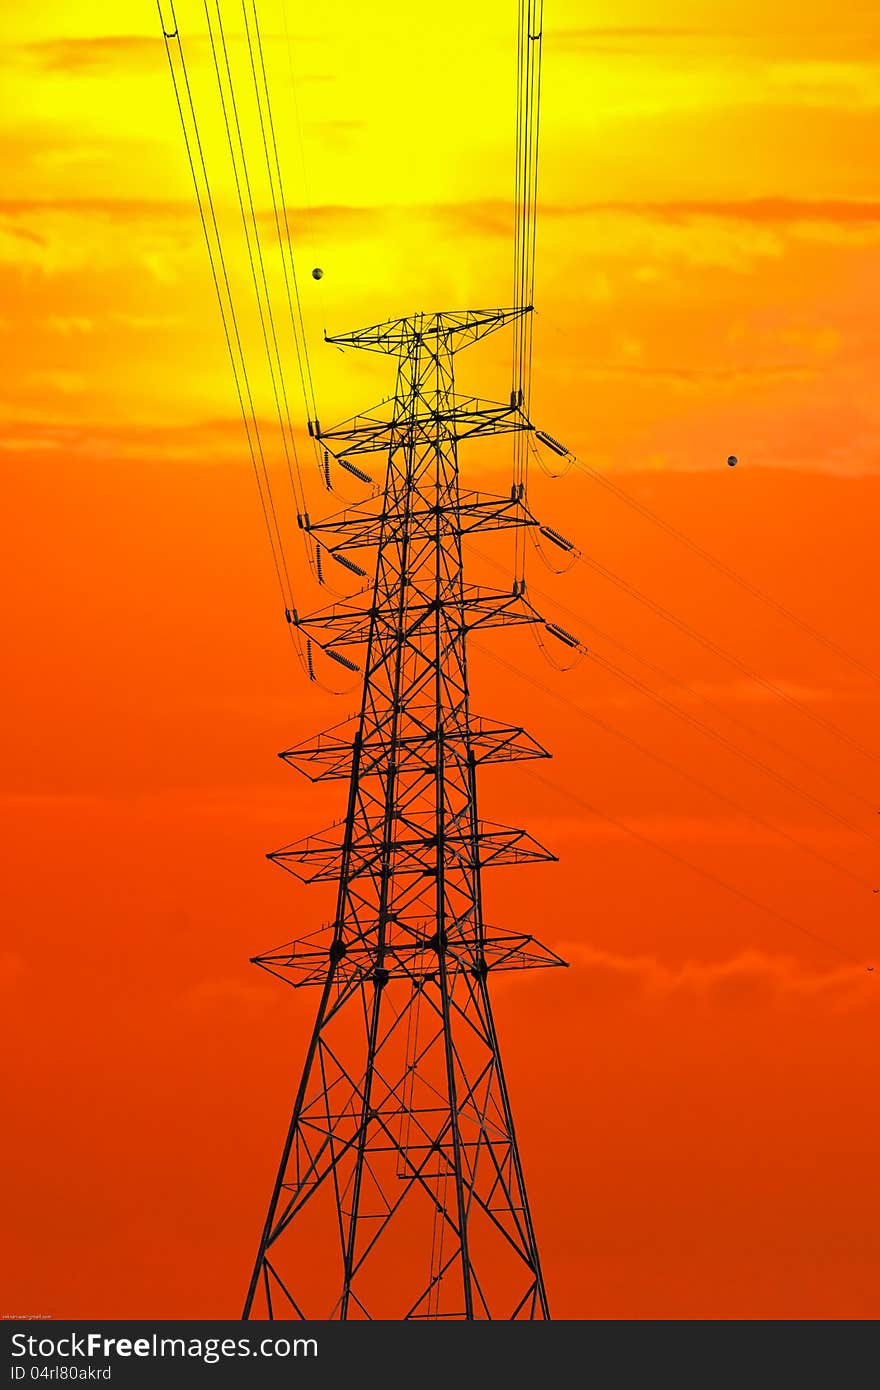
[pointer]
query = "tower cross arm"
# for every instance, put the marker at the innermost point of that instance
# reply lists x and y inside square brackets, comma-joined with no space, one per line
[454,330]
[477,511]
[465,418]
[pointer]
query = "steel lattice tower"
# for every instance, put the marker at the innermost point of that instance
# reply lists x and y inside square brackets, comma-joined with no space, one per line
[400,1191]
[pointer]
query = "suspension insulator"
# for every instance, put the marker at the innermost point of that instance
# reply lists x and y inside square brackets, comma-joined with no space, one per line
[555,537]
[327,482]
[302,521]
[309,661]
[343,660]
[318,564]
[348,564]
[357,472]
[561,635]
[552,443]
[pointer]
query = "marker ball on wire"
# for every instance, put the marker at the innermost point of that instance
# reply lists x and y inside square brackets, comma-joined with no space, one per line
[317,273]
[732,461]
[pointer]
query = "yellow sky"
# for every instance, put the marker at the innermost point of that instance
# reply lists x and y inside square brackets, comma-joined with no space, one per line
[708,235]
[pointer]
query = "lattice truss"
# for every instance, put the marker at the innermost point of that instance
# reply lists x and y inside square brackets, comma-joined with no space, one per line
[400,1191]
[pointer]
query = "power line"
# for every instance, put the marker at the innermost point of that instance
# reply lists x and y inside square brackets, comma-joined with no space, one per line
[732,747]
[274,362]
[530,17]
[711,646]
[698,869]
[228,315]
[296,318]
[705,729]
[723,568]
[734,719]
[677,768]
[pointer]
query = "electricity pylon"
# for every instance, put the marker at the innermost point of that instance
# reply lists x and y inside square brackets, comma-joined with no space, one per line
[400,1191]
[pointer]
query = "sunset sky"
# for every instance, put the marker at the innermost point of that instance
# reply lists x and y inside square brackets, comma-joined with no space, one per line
[696,1096]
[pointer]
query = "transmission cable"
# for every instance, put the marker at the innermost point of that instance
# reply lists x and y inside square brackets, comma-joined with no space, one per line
[708,874]
[668,616]
[528,108]
[297,322]
[680,713]
[273,361]
[721,566]
[231,330]
[228,315]
[679,769]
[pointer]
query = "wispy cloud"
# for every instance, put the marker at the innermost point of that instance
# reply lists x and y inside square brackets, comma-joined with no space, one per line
[491,216]
[221,997]
[740,980]
[88,54]
[699,375]
[773,211]
[216,440]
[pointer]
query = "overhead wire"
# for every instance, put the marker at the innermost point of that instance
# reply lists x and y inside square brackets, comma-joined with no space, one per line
[706,730]
[729,657]
[528,124]
[741,753]
[297,322]
[530,16]
[266,315]
[273,352]
[703,699]
[206,204]
[288,264]
[226,303]
[307,205]
[681,771]
[263,100]
[722,566]
[830,726]
[707,874]
[762,734]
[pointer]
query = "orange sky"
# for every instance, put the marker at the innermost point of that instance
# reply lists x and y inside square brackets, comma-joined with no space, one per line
[696,1096]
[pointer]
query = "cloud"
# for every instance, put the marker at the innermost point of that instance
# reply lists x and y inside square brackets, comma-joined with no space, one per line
[840,46]
[69,324]
[768,211]
[204,441]
[60,381]
[493,217]
[237,997]
[637,40]
[739,981]
[731,234]
[77,55]
[112,54]
[749,692]
[586,35]
[691,376]
[119,209]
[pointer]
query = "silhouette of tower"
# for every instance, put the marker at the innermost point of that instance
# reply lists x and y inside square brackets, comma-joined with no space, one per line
[400,1191]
